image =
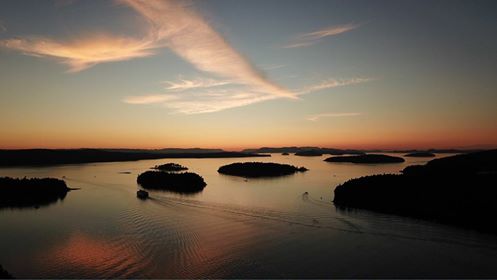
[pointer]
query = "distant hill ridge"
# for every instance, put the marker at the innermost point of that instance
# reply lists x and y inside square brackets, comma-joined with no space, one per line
[336,151]
[168,150]
[294,149]
[74,156]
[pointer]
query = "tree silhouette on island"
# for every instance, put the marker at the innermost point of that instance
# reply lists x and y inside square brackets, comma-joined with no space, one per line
[185,182]
[170,167]
[29,193]
[459,190]
[259,169]
[368,158]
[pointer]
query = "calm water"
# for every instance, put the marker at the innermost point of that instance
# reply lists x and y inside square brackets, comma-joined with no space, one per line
[234,228]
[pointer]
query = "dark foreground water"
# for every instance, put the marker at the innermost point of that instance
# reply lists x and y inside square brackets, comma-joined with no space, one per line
[235,228]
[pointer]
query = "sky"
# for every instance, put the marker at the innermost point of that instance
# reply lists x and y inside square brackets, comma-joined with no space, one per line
[238,74]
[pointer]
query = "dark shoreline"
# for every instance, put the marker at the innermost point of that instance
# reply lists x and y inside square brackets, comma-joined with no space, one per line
[459,190]
[46,157]
[31,192]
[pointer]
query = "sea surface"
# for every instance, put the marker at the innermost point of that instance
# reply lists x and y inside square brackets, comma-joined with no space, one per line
[234,228]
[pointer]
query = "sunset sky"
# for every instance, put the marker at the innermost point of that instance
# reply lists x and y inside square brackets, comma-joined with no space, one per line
[244,74]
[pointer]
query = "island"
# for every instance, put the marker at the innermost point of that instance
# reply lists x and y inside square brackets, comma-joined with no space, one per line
[459,190]
[420,154]
[368,158]
[34,192]
[259,169]
[185,182]
[309,153]
[285,154]
[170,167]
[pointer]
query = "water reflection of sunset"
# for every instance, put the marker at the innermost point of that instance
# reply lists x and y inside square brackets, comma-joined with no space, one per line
[87,255]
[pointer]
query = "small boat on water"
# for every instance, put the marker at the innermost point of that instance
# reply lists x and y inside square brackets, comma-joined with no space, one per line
[141,194]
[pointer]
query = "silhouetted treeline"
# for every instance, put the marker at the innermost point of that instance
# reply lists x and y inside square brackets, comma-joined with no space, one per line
[460,190]
[169,150]
[259,169]
[186,182]
[438,151]
[339,152]
[34,192]
[309,153]
[420,154]
[369,158]
[170,167]
[51,157]
[472,163]
[294,150]
[4,274]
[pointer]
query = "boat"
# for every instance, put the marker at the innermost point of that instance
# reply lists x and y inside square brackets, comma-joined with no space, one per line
[141,194]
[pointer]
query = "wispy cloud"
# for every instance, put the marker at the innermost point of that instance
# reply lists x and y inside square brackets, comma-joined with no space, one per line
[193,39]
[185,84]
[172,24]
[149,99]
[177,26]
[312,38]
[85,52]
[331,115]
[200,100]
[208,102]
[332,83]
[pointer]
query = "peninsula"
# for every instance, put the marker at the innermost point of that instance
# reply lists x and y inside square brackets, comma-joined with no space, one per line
[458,190]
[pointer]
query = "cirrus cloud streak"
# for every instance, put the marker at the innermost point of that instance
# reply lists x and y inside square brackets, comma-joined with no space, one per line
[172,24]
[311,38]
[199,100]
[85,52]
[185,84]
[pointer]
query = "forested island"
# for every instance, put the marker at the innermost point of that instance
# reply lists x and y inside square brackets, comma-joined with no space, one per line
[185,182]
[34,192]
[170,167]
[259,169]
[368,158]
[459,190]
[34,157]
